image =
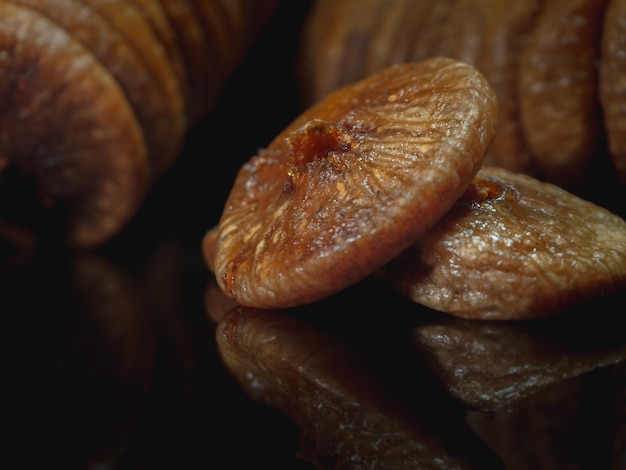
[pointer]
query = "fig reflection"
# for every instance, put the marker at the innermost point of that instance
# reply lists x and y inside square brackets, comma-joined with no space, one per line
[577,423]
[78,359]
[346,414]
[495,365]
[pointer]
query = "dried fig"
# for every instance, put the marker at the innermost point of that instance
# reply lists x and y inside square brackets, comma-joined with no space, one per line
[139,65]
[558,89]
[352,182]
[156,16]
[513,247]
[326,60]
[613,83]
[193,43]
[465,27]
[67,130]
[80,162]
[168,122]
[506,31]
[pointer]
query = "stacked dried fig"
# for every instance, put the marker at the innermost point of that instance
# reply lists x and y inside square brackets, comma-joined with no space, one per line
[386,176]
[557,67]
[95,100]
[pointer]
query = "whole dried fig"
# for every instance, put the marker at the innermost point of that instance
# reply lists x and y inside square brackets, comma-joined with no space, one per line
[511,248]
[352,182]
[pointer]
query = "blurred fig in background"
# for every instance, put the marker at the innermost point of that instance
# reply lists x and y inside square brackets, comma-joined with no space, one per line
[555,65]
[97,97]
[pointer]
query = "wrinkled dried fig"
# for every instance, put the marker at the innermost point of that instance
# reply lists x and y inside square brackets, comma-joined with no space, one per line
[513,247]
[352,182]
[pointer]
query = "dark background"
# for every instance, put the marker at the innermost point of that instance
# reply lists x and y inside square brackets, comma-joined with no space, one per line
[109,359]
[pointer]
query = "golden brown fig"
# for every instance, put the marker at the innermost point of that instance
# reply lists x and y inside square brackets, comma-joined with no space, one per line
[348,415]
[541,56]
[513,247]
[613,83]
[558,89]
[352,182]
[68,131]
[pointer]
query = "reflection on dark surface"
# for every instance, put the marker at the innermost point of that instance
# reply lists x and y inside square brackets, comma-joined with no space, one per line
[348,417]
[78,348]
[549,393]
[494,365]
[113,358]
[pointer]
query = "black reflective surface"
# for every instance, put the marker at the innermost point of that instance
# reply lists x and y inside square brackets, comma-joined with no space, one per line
[125,356]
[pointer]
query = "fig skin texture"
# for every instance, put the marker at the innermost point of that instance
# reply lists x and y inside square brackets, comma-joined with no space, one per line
[353,182]
[513,248]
